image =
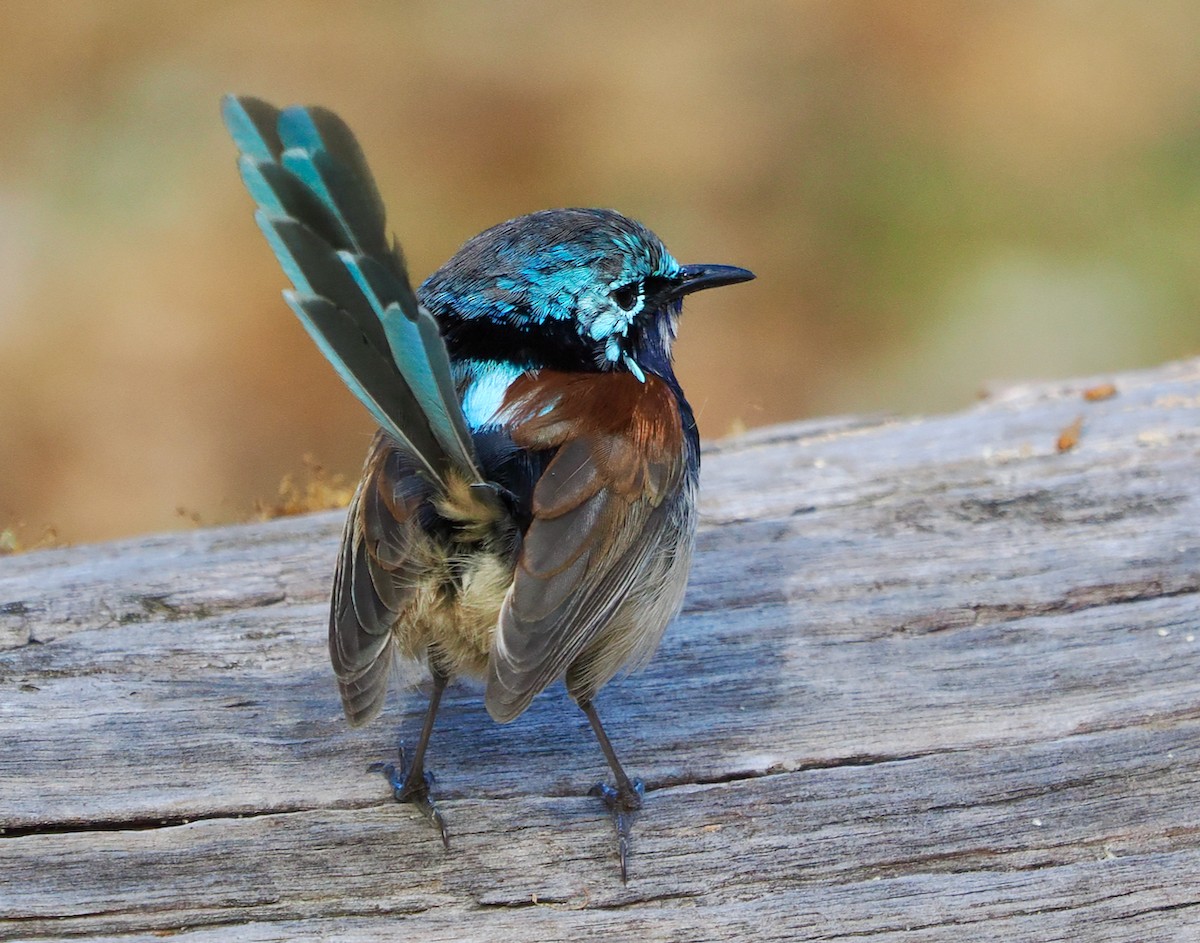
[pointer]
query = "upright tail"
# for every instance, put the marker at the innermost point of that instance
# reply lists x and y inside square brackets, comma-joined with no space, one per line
[320,210]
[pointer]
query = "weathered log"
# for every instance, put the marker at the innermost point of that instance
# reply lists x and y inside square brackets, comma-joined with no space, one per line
[935,680]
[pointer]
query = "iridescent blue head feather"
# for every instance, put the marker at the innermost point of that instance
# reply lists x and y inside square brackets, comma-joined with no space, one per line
[569,289]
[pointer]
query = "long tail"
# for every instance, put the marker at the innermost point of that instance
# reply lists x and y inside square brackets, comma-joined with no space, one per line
[320,210]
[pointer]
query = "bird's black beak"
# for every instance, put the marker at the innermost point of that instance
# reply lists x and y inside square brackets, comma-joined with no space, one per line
[698,277]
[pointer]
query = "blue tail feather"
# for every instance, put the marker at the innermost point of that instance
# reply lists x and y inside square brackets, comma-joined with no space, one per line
[280,194]
[360,368]
[313,270]
[452,421]
[254,126]
[420,355]
[321,214]
[320,150]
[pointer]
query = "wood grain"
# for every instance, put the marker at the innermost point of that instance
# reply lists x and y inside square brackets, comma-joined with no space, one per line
[934,680]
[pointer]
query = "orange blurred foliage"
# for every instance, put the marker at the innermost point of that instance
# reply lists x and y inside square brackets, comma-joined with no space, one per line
[931,194]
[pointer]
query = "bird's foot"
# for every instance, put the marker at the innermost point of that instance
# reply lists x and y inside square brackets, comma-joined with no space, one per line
[623,802]
[412,785]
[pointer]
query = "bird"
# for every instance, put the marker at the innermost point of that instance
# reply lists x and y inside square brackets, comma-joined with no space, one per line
[527,508]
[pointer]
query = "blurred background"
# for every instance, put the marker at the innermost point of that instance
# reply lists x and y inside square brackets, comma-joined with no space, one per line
[935,196]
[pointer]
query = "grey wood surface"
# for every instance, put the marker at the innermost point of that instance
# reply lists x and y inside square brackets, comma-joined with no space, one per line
[935,680]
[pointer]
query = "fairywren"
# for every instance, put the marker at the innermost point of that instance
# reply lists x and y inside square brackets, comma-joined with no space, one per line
[527,509]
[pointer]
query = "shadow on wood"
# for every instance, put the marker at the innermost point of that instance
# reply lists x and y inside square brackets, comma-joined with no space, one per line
[935,680]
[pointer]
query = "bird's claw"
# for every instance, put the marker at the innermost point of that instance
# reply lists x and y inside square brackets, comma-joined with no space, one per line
[413,786]
[623,803]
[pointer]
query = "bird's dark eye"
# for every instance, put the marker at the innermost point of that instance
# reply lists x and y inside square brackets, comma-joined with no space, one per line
[627,296]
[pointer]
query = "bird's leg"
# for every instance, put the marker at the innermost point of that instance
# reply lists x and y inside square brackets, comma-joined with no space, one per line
[625,799]
[410,782]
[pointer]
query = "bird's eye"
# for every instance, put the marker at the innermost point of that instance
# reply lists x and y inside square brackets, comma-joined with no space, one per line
[627,296]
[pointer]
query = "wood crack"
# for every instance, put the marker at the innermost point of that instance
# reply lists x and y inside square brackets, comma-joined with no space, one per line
[1080,599]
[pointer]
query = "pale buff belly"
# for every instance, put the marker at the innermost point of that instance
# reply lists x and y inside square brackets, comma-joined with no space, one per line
[455,626]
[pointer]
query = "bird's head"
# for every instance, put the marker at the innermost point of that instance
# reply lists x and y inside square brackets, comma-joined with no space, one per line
[570,289]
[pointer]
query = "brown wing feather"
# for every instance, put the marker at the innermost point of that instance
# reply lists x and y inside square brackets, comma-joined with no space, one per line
[375,578]
[598,516]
